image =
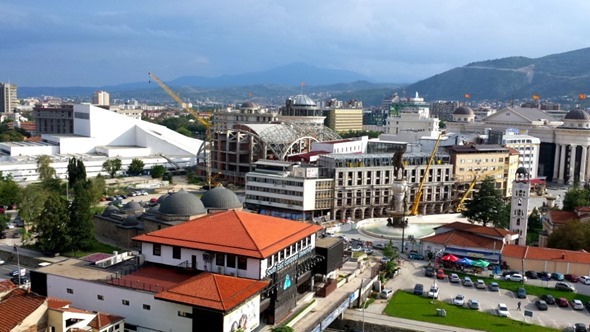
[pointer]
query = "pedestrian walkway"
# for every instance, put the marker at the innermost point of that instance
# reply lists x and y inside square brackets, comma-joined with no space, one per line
[30,253]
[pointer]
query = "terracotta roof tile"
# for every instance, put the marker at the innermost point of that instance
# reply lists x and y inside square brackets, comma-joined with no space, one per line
[463,239]
[55,303]
[477,229]
[6,285]
[234,232]
[562,217]
[214,291]
[16,306]
[547,254]
[103,320]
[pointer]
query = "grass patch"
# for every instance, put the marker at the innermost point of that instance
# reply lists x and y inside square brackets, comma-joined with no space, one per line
[531,290]
[409,306]
[96,247]
[298,313]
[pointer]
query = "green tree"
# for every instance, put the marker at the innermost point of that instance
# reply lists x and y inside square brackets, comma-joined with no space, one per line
[50,229]
[135,167]
[389,251]
[79,225]
[97,189]
[575,197]
[31,206]
[76,171]
[534,226]
[571,236]
[184,131]
[112,166]
[46,172]
[157,171]
[487,205]
[10,191]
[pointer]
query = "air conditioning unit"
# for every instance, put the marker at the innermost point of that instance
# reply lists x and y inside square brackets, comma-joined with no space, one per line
[206,256]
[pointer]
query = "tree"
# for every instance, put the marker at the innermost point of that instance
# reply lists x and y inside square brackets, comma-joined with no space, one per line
[112,166]
[575,197]
[44,168]
[96,189]
[157,171]
[79,225]
[76,171]
[10,191]
[184,131]
[135,167]
[487,205]
[50,228]
[534,226]
[571,236]
[31,206]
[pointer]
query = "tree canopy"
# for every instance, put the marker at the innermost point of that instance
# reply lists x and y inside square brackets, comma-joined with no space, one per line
[157,171]
[51,225]
[135,167]
[571,236]
[575,197]
[79,224]
[112,166]
[76,171]
[487,205]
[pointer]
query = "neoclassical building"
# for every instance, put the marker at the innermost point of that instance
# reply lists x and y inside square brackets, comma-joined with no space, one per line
[572,141]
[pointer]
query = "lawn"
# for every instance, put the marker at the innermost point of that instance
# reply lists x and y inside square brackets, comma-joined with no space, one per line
[409,306]
[531,290]
[96,247]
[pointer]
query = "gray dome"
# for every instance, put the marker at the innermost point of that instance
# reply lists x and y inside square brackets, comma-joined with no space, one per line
[162,198]
[303,100]
[132,206]
[522,170]
[577,114]
[182,203]
[248,104]
[110,209]
[221,198]
[154,209]
[463,110]
[130,221]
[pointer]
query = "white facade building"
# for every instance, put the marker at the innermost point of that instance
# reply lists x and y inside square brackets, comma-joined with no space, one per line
[528,149]
[521,190]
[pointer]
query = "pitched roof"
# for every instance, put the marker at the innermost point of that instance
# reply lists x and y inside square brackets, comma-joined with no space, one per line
[6,285]
[213,291]
[562,217]
[16,306]
[234,232]
[477,229]
[103,320]
[460,238]
[546,254]
[55,303]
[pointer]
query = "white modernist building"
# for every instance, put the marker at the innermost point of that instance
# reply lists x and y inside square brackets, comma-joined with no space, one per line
[99,135]
[528,151]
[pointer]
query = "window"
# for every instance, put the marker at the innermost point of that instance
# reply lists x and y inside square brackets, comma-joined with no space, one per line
[157,249]
[176,252]
[231,261]
[130,327]
[100,297]
[242,263]
[185,314]
[220,259]
[125,302]
[147,307]
[70,291]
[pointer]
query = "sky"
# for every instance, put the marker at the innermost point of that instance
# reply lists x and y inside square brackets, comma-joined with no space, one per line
[95,43]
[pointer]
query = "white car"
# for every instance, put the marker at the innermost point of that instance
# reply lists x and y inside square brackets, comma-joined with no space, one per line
[2,262]
[577,305]
[502,310]
[585,280]
[454,278]
[386,293]
[433,292]
[459,300]
[480,284]
[515,277]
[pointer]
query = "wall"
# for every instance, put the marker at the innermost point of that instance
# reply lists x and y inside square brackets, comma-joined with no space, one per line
[548,265]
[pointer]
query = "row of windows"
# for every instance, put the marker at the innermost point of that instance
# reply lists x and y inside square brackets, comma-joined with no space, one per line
[485,160]
[279,182]
[220,259]
[274,190]
[271,200]
[288,252]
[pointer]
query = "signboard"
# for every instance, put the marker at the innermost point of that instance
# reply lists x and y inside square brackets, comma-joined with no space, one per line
[528,313]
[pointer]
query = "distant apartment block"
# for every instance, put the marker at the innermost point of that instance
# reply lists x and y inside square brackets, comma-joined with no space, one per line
[54,119]
[443,109]
[8,98]
[101,98]
[344,116]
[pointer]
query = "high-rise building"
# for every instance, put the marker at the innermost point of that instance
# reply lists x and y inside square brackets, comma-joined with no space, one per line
[7,97]
[101,98]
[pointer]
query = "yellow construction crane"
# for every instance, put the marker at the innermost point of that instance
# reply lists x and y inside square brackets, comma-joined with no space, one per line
[204,121]
[414,208]
[460,207]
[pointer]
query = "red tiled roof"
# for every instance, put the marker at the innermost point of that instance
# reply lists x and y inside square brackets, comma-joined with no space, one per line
[477,229]
[463,239]
[562,217]
[547,254]
[234,232]
[55,303]
[6,285]
[214,291]
[16,306]
[103,320]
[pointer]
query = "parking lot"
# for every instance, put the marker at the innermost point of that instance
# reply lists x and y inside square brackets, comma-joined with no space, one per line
[554,317]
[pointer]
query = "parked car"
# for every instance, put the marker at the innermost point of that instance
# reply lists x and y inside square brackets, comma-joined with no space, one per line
[557,276]
[459,300]
[454,278]
[549,299]
[473,304]
[585,280]
[433,292]
[429,272]
[571,277]
[562,302]
[493,287]
[2,262]
[368,251]
[356,249]
[386,293]
[521,293]
[440,274]
[541,305]
[577,304]
[419,289]
[415,255]
[467,282]
[564,286]
[507,273]
[480,284]
[502,310]
[580,327]
[379,246]
[515,277]
[587,305]
[544,274]
[531,274]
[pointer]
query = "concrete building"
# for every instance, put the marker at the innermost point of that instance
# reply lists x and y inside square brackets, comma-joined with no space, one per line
[443,109]
[409,127]
[247,112]
[101,98]
[519,205]
[344,116]
[53,119]
[8,97]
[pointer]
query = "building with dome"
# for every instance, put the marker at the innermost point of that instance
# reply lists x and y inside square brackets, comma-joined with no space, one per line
[463,113]
[572,141]
[221,199]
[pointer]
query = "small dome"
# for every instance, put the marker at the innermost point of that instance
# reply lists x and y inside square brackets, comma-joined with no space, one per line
[522,170]
[463,110]
[221,198]
[130,221]
[110,209]
[132,206]
[303,100]
[182,203]
[577,114]
[248,104]
[162,198]
[154,209]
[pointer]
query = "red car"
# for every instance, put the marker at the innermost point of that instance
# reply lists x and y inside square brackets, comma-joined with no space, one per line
[440,274]
[571,277]
[562,302]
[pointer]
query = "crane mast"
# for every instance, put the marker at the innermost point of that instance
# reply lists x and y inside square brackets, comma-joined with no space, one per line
[414,208]
[205,122]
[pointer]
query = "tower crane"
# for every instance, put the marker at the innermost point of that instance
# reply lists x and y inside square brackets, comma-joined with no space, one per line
[414,208]
[204,121]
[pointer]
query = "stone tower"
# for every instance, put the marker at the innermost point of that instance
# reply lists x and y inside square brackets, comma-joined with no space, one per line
[521,190]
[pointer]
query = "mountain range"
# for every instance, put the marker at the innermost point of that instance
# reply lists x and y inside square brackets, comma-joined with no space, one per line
[552,76]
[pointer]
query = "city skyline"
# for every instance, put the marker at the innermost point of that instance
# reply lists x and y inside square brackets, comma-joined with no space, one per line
[61,43]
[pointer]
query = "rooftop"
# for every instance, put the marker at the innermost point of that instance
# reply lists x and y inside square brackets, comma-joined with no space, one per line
[476,229]
[464,239]
[546,254]
[16,306]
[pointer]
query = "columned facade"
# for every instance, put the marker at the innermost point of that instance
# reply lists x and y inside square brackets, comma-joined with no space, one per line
[572,142]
